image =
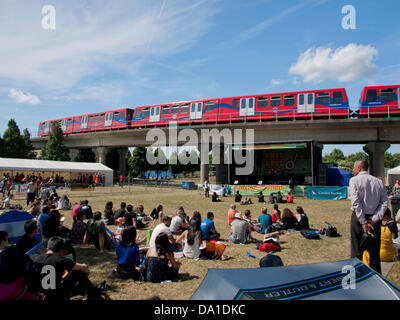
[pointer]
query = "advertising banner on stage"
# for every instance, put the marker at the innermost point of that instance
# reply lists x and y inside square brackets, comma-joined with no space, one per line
[330,193]
[252,190]
[20,190]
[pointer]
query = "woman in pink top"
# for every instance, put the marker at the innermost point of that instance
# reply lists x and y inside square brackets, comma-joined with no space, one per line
[75,210]
[231,213]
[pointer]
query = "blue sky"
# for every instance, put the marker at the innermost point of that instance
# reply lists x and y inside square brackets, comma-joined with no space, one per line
[105,55]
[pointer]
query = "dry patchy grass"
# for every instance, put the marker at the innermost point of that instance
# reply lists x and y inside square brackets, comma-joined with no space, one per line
[295,249]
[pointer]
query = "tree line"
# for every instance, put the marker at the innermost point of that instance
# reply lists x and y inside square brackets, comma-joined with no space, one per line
[346,163]
[14,144]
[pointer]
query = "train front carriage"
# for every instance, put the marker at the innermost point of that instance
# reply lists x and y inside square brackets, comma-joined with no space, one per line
[378,101]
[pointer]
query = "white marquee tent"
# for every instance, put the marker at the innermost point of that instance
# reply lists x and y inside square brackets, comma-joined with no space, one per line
[55,167]
[393,175]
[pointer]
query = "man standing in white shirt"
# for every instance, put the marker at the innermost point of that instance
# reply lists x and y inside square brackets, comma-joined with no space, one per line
[30,197]
[369,202]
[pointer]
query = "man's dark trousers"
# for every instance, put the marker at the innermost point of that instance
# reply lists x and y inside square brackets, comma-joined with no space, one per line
[356,233]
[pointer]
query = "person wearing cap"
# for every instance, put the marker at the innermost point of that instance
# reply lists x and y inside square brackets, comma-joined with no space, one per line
[240,229]
[120,222]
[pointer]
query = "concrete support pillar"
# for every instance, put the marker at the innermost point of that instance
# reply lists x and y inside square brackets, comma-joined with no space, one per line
[221,169]
[204,169]
[122,161]
[101,153]
[204,162]
[376,152]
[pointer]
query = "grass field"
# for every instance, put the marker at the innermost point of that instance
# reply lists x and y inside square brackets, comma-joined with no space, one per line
[295,249]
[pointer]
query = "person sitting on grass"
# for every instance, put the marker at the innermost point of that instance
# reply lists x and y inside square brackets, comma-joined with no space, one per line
[214,197]
[240,230]
[279,198]
[70,276]
[265,220]
[42,218]
[196,216]
[271,198]
[193,240]
[238,196]
[120,212]
[128,256]
[276,214]
[231,213]
[141,218]
[34,211]
[288,220]
[64,203]
[54,226]
[158,258]
[246,201]
[253,223]
[78,229]
[302,219]
[7,203]
[155,214]
[96,234]
[261,197]
[178,223]
[208,228]
[130,216]
[120,222]
[164,228]
[109,213]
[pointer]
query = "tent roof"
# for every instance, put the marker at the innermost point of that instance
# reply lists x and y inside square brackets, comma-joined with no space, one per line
[47,165]
[394,170]
[312,281]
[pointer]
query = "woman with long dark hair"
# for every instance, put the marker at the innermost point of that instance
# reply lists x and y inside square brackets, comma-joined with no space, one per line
[193,240]
[158,259]
[302,219]
[109,213]
[54,226]
[128,257]
[288,220]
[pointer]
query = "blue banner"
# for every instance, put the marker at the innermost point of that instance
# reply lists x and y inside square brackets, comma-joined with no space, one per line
[330,193]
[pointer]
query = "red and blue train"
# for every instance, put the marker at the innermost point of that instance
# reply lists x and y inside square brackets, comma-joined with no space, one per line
[313,104]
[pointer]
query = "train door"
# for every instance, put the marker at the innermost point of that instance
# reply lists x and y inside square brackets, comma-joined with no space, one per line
[398,97]
[64,125]
[154,114]
[196,110]
[247,107]
[310,102]
[109,119]
[84,122]
[301,103]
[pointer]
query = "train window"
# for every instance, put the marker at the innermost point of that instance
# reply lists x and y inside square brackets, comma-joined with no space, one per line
[387,95]
[209,105]
[310,99]
[69,122]
[91,119]
[288,101]
[96,118]
[101,117]
[184,108]
[175,109]
[152,111]
[137,113]
[276,101]
[337,97]
[122,116]
[235,103]
[165,110]
[262,102]
[323,98]
[301,99]
[116,115]
[145,113]
[372,95]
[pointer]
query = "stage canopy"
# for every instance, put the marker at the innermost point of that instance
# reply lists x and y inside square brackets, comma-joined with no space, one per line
[393,175]
[26,165]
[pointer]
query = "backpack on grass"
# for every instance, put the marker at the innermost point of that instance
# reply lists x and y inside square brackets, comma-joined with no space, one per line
[331,231]
[309,234]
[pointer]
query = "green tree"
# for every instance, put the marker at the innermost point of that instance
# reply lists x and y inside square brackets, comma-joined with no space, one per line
[174,166]
[334,157]
[14,144]
[162,163]
[29,145]
[357,156]
[55,148]
[85,155]
[138,163]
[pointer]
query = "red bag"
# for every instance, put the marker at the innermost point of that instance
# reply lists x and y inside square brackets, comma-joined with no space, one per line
[269,247]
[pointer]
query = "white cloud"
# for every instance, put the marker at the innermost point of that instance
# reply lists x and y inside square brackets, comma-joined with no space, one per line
[276,82]
[343,64]
[21,97]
